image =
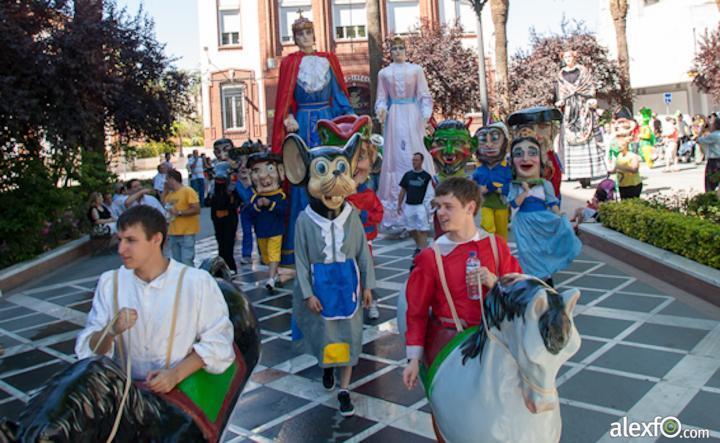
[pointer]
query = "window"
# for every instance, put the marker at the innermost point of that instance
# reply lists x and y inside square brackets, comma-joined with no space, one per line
[229,22]
[289,13]
[403,16]
[233,107]
[350,19]
[459,11]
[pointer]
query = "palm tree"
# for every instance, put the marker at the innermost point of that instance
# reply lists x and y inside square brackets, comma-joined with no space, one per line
[374,48]
[618,11]
[499,10]
[478,6]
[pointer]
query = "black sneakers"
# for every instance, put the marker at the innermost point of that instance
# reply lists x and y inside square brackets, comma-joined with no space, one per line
[329,378]
[346,407]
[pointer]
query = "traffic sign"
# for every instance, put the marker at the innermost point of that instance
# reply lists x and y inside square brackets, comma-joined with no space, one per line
[667,97]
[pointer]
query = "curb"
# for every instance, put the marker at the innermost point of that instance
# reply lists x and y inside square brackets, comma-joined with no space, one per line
[697,279]
[26,271]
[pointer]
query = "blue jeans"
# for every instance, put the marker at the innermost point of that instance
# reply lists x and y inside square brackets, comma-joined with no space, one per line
[247,233]
[182,248]
[198,184]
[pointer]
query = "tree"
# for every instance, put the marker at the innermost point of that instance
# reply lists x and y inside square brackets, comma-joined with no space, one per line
[618,11]
[707,64]
[67,76]
[375,51]
[499,10]
[533,73]
[478,6]
[439,50]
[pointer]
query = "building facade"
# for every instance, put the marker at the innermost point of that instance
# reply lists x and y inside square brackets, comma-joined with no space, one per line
[244,41]
[663,37]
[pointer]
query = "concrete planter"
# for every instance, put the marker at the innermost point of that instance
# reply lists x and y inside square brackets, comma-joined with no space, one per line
[695,278]
[26,271]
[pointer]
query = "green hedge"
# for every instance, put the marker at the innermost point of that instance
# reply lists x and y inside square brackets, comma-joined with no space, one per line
[685,235]
[151,149]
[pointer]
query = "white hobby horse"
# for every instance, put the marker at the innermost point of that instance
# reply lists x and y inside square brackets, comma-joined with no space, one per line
[502,389]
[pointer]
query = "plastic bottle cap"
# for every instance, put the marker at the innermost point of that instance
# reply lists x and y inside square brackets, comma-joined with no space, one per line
[473,254]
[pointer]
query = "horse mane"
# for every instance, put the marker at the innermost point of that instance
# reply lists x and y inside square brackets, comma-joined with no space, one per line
[507,300]
[74,399]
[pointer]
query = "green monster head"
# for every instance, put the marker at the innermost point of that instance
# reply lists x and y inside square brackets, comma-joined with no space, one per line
[646,115]
[451,146]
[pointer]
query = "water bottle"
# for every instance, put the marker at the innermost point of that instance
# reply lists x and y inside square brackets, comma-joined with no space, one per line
[472,267]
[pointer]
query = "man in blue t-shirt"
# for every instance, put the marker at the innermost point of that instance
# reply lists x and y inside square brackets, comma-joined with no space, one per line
[414,186]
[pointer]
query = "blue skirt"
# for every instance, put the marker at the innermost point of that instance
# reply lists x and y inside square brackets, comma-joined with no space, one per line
[546,242]
[298,202]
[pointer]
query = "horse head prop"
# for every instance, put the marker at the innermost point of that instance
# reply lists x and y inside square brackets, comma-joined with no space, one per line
[81,403]
[496,382]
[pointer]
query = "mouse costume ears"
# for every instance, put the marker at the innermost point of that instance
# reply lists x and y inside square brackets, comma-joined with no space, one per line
[297,156]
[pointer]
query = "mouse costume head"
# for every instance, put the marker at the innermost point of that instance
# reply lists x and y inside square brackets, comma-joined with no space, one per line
[492,143]
[327,171]
[451,146]
[338,131]
[526,155]
[266,172]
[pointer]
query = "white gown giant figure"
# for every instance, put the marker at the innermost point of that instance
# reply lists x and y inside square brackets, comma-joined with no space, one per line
[404,105]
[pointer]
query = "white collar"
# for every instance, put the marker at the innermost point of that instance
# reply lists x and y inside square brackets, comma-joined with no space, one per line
[330,227]
[446,245]
[159,281]
[314,73]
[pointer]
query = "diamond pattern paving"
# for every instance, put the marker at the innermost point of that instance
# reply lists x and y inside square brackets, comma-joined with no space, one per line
[634,336]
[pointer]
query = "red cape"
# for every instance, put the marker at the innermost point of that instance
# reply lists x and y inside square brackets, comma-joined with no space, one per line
[285,99]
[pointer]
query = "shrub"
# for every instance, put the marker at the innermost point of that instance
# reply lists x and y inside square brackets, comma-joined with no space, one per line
[705,206]
[686,235]
[150,150]
[34,222]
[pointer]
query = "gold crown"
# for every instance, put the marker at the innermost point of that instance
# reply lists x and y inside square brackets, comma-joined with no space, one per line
[301,23]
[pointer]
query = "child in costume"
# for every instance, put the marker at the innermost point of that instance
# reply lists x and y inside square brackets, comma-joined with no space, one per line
[267,209]
[451,146]
[337,132]
[332,260]
[244,189]
[494,175]
[647,137]
[546,241]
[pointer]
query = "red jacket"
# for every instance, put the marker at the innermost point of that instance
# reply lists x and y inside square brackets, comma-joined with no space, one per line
[424,289]
[285,99]
[371,210]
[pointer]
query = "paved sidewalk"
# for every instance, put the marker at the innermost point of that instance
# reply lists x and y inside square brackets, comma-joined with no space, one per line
[645,352]
[689,179]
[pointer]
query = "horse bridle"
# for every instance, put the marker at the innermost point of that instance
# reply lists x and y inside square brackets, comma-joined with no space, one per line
[491,336]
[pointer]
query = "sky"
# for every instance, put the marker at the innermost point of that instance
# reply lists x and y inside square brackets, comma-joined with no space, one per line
[176,22]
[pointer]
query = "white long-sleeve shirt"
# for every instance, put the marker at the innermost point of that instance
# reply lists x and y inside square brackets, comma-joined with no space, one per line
[203,323]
